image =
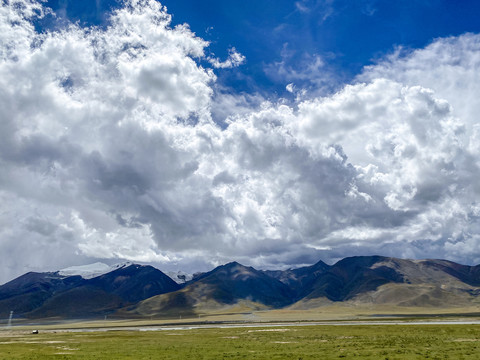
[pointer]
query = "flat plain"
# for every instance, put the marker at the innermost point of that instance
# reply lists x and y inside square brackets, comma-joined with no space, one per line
[430,341]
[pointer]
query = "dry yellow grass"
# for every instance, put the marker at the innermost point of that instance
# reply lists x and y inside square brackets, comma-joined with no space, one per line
[243,313]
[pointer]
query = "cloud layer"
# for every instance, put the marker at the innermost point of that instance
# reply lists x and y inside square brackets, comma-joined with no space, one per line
[108,150]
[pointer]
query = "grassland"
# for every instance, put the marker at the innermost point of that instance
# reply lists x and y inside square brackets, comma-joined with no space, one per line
[282,342]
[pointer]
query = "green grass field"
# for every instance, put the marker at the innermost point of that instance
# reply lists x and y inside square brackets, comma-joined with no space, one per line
[296,342]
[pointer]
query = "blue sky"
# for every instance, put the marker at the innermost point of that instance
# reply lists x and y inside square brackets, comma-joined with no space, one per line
[346,35]
[274,134]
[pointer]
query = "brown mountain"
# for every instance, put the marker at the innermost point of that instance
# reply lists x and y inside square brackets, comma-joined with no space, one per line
[399,282]
[29,291]
[226,285]
[300,280]
[137,290]
[40,295]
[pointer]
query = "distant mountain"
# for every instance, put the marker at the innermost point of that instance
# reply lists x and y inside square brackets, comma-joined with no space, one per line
[180,277]
[225,285]
[135,282]
[351,276]
[37,295]
[400,282]
[131,290]
[233,281]
[92,270]
[29,291]
[300,280]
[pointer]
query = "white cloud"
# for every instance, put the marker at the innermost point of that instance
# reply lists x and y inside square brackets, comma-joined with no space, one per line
[93,123]
[401,138]
[448,66]
[290,88]
[324,8]
[234,59]
[311,74]
[108,150]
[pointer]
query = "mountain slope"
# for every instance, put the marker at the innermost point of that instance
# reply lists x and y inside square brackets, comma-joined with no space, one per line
[226,285]
[135,290]
[300,280]
[31,290]
[352,276]
[36,295]
[135,282]
[400,282]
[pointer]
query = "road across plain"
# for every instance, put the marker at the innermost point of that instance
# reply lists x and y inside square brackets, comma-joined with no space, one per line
[266,325]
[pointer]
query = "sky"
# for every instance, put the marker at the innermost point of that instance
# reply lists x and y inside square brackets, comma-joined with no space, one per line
[187,134]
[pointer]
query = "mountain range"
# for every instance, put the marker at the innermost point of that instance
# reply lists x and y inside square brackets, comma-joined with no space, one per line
[132,290]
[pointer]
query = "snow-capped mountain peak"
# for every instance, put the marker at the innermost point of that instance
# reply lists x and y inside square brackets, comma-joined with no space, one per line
[179,277]
[92,270]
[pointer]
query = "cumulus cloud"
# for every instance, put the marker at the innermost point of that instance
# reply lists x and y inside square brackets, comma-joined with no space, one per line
[94,128]
[234,59]
[109,150]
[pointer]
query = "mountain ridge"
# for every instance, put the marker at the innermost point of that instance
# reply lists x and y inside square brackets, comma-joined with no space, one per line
[142,290]
[50,294]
